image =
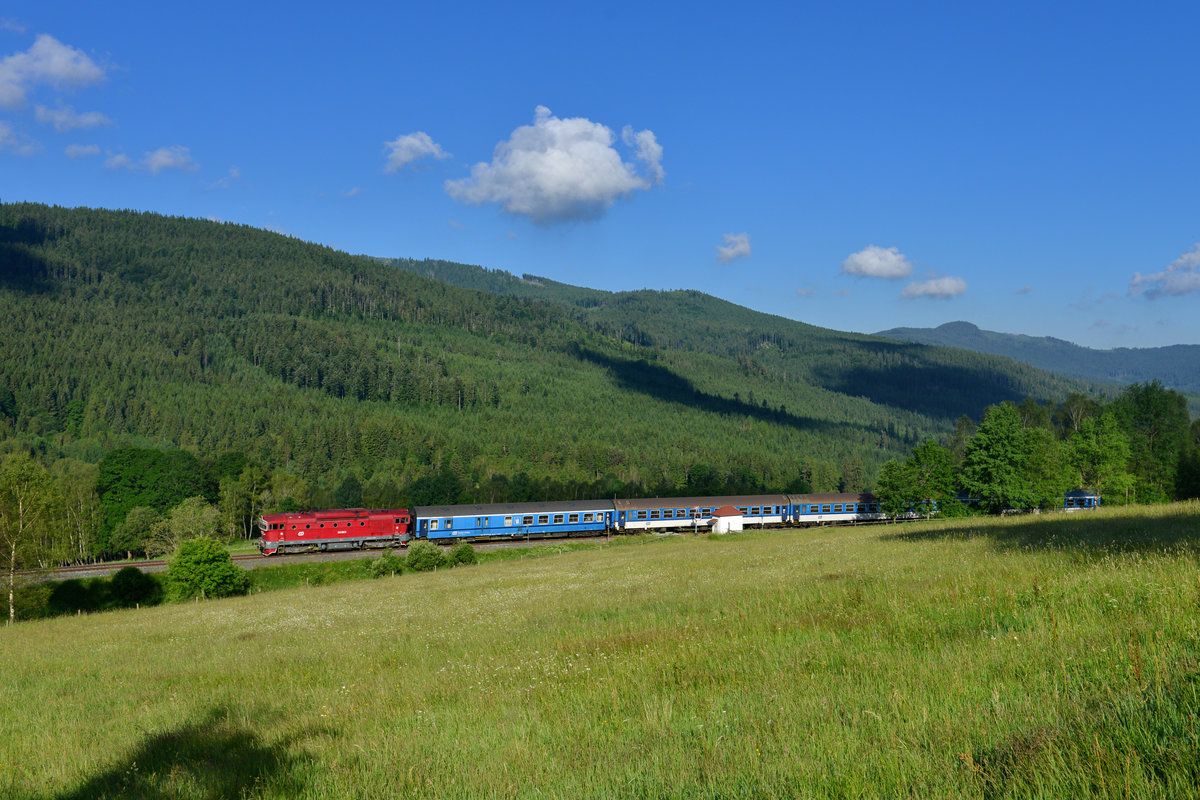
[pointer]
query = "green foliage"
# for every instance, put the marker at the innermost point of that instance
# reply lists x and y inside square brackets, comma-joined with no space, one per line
[292,575]
[130,477]
[134,532]
[29,501]
[423,556]
[194,518]
[925,481]
[131,587]
[202,568]
[461,554]
[994,459]
[387,564]
[1097,454]
[1156,421]
[894,490]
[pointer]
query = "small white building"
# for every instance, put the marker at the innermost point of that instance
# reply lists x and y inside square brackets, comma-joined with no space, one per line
[726,519]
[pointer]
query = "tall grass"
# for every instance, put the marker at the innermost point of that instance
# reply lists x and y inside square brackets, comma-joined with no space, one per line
[1032,657]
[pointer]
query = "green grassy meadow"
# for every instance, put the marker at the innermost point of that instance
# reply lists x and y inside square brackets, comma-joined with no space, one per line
[1051,656]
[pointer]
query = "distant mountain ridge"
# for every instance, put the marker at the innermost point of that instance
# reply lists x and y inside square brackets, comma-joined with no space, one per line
[1176,366]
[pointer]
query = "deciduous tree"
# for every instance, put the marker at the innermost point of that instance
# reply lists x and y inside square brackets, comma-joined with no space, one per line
[28,498]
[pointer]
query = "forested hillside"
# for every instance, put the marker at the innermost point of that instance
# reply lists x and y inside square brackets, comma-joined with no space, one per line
[326,370]
[936,382]
[1176,367]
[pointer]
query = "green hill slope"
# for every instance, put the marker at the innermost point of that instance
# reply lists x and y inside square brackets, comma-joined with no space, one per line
[1176,367]
[932,381]
[127,327]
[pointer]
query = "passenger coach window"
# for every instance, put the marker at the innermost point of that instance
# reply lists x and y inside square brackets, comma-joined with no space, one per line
[508,522]
[558,518]
[837,508]
[573,518]
[433,524]
[653,515]
[543,519]
[824,509]
[527,521]
[587,517]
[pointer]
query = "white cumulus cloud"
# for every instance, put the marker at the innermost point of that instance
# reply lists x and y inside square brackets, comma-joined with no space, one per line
[47,61]
[403,150]
[877,262]
[155,161]
[13,142]
[559,170]
[1182,276]
[82,150]
[65,118]
[737,245]
[175,157]
[936,287]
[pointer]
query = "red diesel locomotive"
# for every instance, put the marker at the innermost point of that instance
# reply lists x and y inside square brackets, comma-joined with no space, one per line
[334,530]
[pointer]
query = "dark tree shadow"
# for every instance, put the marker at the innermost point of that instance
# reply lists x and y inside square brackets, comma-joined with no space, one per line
[1087,534]
[937,390]
[211,759]
[662,384]
[21,268]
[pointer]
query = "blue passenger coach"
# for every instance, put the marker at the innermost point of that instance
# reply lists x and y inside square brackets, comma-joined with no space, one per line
[501,520]
[823,509]
[676,513]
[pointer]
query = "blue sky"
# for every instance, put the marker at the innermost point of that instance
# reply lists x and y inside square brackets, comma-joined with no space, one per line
[1029,167]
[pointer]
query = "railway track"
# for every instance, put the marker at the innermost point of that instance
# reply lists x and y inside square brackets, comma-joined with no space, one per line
[255,560]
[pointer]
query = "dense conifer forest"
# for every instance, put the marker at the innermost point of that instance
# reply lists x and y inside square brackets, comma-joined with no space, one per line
[300,376]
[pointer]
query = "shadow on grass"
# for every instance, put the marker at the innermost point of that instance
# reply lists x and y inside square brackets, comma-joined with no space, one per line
[1134,530]
[213,758]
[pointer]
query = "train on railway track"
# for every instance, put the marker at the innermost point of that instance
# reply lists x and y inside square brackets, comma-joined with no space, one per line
[346,528]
